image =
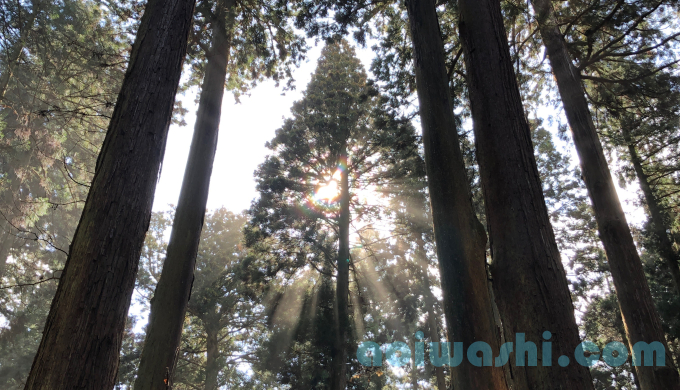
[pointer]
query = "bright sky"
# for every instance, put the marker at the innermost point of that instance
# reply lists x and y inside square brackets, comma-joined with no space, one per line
[245,128]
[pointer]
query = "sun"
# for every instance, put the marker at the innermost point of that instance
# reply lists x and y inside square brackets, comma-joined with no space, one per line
[328,191]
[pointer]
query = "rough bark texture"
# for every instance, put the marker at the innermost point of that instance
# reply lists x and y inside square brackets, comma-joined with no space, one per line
[339,377]
[622,331]
[664,246]
[84,329]
[171,297]
[640,317]
[529,281]
[459,235]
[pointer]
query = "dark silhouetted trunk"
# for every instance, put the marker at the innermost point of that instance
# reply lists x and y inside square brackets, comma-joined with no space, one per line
[662,241]
[459,236]
[171,297]
[529,281]
[339,377]
[84,329]
[212,368]
[641,319]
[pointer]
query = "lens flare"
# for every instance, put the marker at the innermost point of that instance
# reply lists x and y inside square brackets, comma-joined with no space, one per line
[328,192]
[325,198]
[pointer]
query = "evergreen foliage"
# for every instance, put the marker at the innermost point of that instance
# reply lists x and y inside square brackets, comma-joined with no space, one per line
[268,308]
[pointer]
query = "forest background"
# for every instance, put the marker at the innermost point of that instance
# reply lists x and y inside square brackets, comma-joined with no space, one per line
[245,127]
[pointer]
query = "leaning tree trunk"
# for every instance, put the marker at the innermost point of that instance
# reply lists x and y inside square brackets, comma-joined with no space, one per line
[339,372]
[84,329]
[664,246]
[459,236]
[171,297]
[641,319]
[529,280]
[618,324]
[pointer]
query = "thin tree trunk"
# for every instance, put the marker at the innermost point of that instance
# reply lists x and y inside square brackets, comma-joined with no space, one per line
[171,297]
[414,368]
[635,299]
[429,304]
[84,329]
[8,241]
[659,229]
[18,48]
[7,74]
[459,236]
[529,281]
[434,336]
[339,378]
[212,368]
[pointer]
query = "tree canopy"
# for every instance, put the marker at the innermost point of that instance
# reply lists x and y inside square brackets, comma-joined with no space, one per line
[452,172]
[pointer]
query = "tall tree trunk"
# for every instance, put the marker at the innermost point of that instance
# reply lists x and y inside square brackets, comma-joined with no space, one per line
[430,301]
[459,235]
[529,281]
[657,217]
[84,329]
[635,299]
[212,368]
[171,297]
[339,378]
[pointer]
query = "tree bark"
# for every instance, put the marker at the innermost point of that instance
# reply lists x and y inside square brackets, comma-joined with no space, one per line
[171,297]
[657,217]
[459,236]
[339,377]
[529,280]
[635,299]
[622,331]
[84,329]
